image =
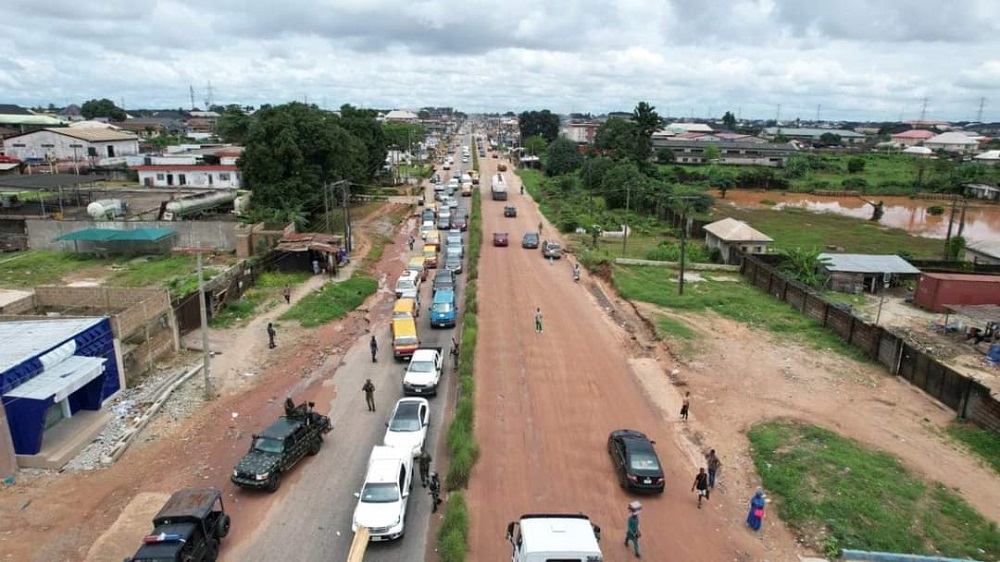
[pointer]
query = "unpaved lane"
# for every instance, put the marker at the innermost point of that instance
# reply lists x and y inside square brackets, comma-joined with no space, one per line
[546,403]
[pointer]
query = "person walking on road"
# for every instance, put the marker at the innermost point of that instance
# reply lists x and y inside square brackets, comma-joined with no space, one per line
[373,344]
[435,485]
[685,406]
[288,294]
[411,241]
[701,485]
[424,460]
[755,518]
[538,320]
[632,532]
[369,390]
[713,467]
[270,335]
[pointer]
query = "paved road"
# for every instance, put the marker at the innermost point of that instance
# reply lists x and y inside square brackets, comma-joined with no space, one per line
[312,521]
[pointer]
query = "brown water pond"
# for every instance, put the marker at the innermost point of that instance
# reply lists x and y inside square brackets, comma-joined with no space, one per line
[982,220]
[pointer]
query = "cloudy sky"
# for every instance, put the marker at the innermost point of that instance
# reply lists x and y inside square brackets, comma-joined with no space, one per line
[845,59]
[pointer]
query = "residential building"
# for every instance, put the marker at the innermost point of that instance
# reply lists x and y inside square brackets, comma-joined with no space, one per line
[730,152]
[983,251]
[854,273]
[812,135]
[22,120]
[988,157]
[680,128]
[912,137]
[215,176]
[581,133]
[726,234]
[952,142]
[71,144]
[149,127]
[982,191]
[401,116]
[918,151]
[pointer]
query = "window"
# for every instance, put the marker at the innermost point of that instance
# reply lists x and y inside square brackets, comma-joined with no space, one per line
[48,146]
[19,145]
[111,151]
[181,179]
[160,177]
[224,176]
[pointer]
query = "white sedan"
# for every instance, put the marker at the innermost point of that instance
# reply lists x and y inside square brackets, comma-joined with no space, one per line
[407,428]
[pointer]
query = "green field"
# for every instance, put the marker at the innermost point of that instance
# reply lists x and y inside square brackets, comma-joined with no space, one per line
[175,272]
[332,301]
[982,442]
[266,293]
[824,485]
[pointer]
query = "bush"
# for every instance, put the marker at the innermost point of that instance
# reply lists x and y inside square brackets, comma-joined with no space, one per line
[935,210]
[855,165]
[453,536]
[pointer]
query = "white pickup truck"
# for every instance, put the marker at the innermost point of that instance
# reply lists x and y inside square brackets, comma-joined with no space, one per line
[540,537]
[423,374]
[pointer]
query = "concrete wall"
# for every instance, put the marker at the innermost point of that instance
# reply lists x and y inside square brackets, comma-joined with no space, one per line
[130,309]
[215,234]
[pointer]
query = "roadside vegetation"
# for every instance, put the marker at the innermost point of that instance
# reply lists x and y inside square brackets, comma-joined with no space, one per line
[463,450]
[983,443]
[836,494]
[332,301]
[264,295]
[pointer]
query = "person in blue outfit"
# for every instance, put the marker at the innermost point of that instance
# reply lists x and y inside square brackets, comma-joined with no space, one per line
[632,532]
[755,517]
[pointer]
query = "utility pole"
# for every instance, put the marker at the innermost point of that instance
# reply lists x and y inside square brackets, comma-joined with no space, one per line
[326,205]
[347,215]
[628,197]
[680,278]
[207,354]
[951,222]
[923,110]
[979,114]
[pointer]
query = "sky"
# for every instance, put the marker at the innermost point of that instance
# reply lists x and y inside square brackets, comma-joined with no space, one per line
[786,59]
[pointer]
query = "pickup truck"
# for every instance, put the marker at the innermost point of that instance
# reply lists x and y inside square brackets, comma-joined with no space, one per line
[423,373]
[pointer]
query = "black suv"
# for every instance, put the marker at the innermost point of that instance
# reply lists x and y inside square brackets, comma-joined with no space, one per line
[510,211]
[279,447]
[187,529]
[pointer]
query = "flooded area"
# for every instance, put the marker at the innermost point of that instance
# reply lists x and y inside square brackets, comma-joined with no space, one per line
[982,220]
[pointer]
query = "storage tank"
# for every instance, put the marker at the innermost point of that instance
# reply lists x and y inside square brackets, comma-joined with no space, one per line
[935,290]
[200,202]
[106,209]
[241,204]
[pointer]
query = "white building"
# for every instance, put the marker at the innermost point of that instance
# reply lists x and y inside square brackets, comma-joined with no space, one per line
[216,176]
[69,144]
[983,251]
[952,142]
[400,116]
[988,157]
[681,128]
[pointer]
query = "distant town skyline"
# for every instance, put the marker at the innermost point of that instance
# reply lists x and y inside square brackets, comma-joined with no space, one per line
[845,60]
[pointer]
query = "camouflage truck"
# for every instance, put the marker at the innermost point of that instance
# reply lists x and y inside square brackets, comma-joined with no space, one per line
[281,446]
[188,528]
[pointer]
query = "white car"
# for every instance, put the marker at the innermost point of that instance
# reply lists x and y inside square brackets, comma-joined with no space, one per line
[408,285]
[407,428]
[426,227]
[383,497]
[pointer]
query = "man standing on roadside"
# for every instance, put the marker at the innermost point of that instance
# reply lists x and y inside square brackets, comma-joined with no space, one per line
[424,460]
[288,294]
[632,532]
[701,484]
[374,345]
[411,240]
[369,390]
[538,320]
[713,467]
[270,335]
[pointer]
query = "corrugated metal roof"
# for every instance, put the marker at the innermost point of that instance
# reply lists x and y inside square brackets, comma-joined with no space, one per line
[989,247]
[186,168]
[810,132]
[732,230]
[865,263]
[25,339]
[94,135]
[974,277]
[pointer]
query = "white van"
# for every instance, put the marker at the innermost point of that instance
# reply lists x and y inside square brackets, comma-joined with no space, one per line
[383,497]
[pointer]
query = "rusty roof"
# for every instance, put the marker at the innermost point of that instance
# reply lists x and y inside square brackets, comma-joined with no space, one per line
[303,241]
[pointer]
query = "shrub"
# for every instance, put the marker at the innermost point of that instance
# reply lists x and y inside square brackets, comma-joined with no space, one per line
[935,210]
[453,536]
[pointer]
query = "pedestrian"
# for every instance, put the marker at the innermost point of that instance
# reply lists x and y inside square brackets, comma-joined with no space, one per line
[435,485]
[411,241]
[701,485]
[632,532]
[755,517]
[538,320]
[369,390]
[270,335]
[374,345]
[685,406]
[539,227]
[315,265]
[288,294]
[713,467]
[424,460]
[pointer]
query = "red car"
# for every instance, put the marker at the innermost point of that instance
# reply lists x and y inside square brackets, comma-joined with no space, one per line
[499,238]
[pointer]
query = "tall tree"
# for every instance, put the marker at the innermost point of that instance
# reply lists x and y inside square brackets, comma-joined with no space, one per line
[363,124]
[234,124]
[535,145]
[404,135]
[616,137]
[647,121]
[542,123]
[102,108]
[729,121]
[562,157]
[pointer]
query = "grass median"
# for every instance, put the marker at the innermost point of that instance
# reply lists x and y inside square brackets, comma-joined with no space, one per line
[463,451]
[836,494]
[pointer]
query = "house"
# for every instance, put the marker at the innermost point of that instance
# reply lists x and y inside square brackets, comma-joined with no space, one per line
[740,153]
[812,135]
[983,251]
[918,151]
[729,233]
[952,142]
[148,127]
[55,376]
[988,157]
[853,273]
[400,116]
[216,176]
[202,122]
[681,128]
[580,133]
[71,144]
[22,120]
[912,137]
[982,191]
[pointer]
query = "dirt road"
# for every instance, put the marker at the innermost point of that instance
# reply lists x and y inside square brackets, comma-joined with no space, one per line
[546,403]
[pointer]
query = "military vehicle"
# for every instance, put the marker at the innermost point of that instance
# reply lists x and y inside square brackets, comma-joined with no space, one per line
[279,447]
[187,529]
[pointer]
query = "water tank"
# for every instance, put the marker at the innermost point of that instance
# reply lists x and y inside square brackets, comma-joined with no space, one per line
[106,209]
[200,202]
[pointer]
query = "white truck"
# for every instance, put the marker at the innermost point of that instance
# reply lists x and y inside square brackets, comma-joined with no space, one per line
[423,373]
[498,188]
[543,537]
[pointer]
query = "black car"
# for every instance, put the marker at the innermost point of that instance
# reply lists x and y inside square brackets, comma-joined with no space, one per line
[530,241]
[510,211]
[188,528]
[635,461]
[444,279]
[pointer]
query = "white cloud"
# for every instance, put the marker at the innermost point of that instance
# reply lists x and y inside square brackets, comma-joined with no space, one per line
[857,59]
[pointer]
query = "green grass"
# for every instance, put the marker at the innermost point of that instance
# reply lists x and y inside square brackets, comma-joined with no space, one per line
[824,485]
[735,300]
[675,328]
[453,536]
[167,270]
[332,302]
[29,269]
[267,292]
[982,442]
[795,227]
[174,272]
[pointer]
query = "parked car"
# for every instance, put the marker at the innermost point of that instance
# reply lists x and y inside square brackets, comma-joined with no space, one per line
[530,241]
[636,463]
[551,249]
[188,527]
[444,312]
[427,226]
[407,427]
[444,222]
[500,239]
[453,263]
[454,238]
[433,238]
[461,221]
[444,280]
[510,211]
[383,497]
